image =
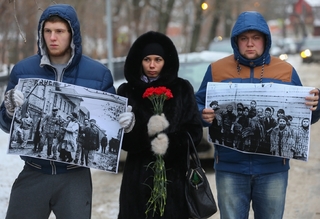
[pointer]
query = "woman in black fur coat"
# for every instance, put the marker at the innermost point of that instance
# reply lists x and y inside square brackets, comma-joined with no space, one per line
[151,62]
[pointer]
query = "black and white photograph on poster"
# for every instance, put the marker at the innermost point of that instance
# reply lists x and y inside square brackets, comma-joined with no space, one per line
[268,119]
[68,123]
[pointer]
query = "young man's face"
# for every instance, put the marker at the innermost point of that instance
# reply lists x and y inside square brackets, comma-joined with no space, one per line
[282,123]
[57,37]
[267,113]
[260,112]
[305,123]
[253,104]
[251,44]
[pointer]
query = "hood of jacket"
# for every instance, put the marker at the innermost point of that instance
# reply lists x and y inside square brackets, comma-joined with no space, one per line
[133,62]
[251,20]
[69,14]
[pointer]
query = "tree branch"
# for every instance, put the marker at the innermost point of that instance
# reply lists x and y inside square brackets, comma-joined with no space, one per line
[16,19]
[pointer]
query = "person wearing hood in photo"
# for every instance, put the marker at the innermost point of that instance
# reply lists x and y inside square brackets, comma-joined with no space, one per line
[242,178]
[46,186]
[153,61]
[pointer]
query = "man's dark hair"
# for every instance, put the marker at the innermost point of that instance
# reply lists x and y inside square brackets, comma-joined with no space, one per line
[268,109]
[283,117]
[56,18]
[281,111]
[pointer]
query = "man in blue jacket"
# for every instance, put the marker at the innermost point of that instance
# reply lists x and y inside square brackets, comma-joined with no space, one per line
[242,177]
[43,185]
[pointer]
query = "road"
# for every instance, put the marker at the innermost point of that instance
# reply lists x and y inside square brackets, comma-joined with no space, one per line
[303,194]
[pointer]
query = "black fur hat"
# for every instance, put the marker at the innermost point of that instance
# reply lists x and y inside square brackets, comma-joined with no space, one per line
[153,49]
[156,42]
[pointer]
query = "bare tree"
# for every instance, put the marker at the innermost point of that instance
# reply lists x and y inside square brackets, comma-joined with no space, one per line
[197,25]
[163,10]
[194,27]
[216,17]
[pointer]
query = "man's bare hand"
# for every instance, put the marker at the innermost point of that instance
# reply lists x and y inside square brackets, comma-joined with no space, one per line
[208,115]
[313,101]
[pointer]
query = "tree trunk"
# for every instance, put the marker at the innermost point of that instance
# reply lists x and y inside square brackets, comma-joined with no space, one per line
[197,26]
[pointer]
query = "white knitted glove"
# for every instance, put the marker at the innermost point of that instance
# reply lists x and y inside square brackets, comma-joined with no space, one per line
[127,120]
[157,123]
[13,98]
[160,144]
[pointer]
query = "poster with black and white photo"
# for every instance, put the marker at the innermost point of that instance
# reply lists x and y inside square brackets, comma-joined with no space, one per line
[268,119]
[68,123]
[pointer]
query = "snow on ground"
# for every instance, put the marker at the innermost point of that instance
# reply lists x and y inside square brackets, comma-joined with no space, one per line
[10,167]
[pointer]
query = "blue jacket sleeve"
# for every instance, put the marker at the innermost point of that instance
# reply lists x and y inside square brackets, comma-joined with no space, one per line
[201,94]
[316,114]
[5,120]
[108,83]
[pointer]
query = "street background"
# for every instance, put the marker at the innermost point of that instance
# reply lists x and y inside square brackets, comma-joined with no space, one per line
[303,194]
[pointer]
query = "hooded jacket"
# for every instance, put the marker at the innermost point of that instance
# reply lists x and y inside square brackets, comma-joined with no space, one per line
[81,70]
[182,114]
[238,69]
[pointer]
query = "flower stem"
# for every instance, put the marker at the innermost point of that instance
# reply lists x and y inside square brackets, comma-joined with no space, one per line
[157,200]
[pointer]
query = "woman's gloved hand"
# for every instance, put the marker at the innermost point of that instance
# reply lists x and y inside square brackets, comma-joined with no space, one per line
[156,124]
[127,120]
[160,144]
[12,99]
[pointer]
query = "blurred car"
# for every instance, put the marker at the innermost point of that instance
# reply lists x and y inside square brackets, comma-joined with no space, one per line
[310,50]
[278,52]
[193,67]
[223,45]
[287,45]
[118,67]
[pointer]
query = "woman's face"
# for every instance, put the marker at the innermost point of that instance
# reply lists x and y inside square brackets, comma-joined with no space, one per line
[152,65]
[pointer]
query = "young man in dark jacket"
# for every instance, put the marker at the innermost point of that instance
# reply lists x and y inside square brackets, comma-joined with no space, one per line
[44,185]
[243,177]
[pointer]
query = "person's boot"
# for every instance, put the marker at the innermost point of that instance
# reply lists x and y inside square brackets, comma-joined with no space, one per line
[69,158]
[62,155]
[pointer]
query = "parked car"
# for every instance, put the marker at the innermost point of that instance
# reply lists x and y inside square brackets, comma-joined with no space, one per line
[287,45]
[278,52]
[118,67]
[223,45]
[193,67]
[310,50]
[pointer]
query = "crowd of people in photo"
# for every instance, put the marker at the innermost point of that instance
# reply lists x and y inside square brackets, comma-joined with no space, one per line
[257,129]
[64,139]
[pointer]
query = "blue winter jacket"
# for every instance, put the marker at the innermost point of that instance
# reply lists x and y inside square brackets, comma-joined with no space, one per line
[238,69]
[81,70]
